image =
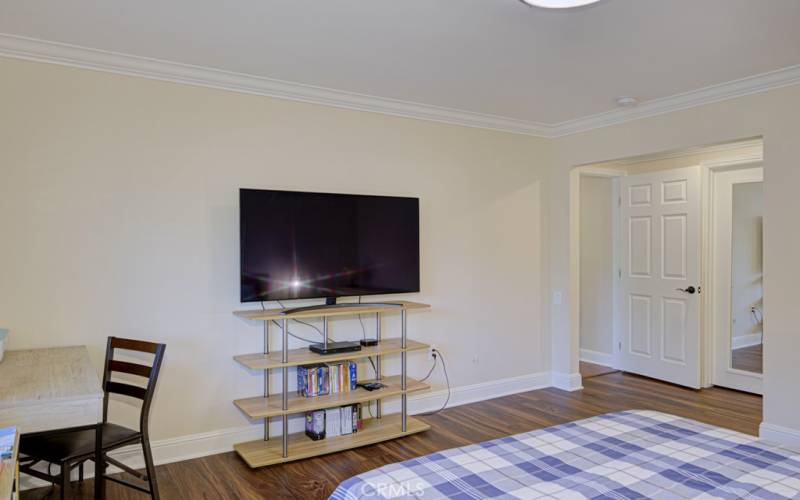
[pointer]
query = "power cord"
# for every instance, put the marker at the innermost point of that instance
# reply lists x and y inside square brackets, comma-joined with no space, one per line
[298,337]
[364,332]
[436,355]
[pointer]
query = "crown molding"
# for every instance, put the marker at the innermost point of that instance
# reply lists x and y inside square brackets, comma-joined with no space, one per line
[724,91]
[124,64]
[752,148]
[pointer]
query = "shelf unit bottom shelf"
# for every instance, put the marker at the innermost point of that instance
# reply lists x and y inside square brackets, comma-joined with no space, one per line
[262,453]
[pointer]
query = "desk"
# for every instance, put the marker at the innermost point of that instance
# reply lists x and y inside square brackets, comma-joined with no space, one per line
[49,389]
[45,389]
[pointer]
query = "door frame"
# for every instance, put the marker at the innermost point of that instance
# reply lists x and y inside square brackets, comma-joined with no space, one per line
[707,168]
[709,276]
[575,285]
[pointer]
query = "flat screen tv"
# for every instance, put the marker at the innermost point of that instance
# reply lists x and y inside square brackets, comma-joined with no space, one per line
[297,245]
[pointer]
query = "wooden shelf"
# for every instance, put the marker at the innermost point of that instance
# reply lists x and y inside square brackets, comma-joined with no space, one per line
[261,407]
[303,356]
[260,453]
[277,314]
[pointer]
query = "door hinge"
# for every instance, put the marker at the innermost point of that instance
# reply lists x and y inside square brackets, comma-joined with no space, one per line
[619,347]
[619,201]
[619,273]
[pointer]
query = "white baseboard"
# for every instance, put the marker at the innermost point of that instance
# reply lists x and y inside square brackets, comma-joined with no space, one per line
[567,381]
[597,357]
[779,434]
[220,441]
[746,340]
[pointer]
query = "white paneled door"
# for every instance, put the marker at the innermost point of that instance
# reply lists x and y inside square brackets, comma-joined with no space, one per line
[660,275]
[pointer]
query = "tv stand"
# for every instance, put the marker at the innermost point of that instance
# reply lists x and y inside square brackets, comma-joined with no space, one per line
[347,305]
[296,446]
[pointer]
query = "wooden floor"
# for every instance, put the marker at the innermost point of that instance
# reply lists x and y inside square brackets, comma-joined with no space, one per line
[226,476]
[750,359]
[589,370]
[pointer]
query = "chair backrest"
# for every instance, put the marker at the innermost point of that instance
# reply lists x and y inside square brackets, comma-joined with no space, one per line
[150,373]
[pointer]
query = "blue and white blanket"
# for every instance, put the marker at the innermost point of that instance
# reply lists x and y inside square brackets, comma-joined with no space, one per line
[632,454]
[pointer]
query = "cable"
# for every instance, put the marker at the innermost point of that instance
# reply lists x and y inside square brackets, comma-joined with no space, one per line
[364,332]
[435,360]
[446,378]
[276,323]
[293,335]
[304,322]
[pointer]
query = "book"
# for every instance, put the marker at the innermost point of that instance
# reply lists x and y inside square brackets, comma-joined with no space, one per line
[353,375]
[326,378]
[313,380]
[358,423]
[347,419]
[333,422]
[8,436]
[315,424]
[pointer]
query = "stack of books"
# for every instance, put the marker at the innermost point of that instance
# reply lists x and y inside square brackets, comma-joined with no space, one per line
[332,422]
[8,439]
[326,378]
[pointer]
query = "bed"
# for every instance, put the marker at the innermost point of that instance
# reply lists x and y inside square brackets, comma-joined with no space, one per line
[626,455]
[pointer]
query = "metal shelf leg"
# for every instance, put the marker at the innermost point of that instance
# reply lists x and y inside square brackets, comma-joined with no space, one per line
[285,395]
[267,327]
[378,371]
[403,374]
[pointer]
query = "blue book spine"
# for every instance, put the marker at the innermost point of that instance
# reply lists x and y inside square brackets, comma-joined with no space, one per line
[300,380]
[353,375]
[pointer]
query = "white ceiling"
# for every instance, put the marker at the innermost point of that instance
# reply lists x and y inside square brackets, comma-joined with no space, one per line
[495,57]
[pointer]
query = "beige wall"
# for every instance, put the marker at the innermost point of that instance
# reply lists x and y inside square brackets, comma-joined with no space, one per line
[772,115]
[118,215]
[118,209]
[597,265]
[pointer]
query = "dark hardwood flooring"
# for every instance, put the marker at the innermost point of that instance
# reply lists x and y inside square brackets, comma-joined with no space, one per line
[750,359]
[226,476]
[589,370]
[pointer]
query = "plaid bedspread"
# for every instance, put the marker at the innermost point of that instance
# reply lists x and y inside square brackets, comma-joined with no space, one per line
[632,454]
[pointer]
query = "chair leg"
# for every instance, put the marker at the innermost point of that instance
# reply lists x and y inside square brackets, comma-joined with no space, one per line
[65,470]
[80,472]
[151,469]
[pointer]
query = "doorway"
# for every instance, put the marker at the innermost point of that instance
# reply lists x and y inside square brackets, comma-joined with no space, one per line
[664,272]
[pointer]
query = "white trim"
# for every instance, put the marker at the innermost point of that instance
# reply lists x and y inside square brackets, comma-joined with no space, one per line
[589,171]
[716,313]
[575,258]
[779,434]
[726,147]
[157,69]
[763,82]
[221,441]
[746,340]
[567,381]
[598,358]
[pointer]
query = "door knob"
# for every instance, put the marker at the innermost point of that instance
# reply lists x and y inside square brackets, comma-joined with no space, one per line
[689,290]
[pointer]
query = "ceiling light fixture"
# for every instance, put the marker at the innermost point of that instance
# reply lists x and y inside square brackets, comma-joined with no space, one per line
[558,4]
[627,102]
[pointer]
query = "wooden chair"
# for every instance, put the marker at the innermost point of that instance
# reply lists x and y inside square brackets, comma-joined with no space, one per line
[73,449]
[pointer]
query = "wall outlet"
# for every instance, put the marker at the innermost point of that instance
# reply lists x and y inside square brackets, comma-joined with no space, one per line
[476,359]
[557,298]
[430,351]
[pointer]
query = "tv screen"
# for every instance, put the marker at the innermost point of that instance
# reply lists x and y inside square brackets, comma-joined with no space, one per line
[298,245]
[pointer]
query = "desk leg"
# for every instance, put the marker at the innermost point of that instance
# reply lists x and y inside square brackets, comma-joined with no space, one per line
[100,466]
